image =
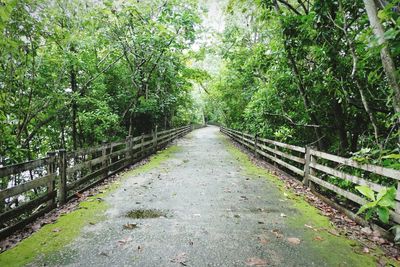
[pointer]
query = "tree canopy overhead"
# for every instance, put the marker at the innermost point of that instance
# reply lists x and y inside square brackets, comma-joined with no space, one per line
[76,73]
[321,73]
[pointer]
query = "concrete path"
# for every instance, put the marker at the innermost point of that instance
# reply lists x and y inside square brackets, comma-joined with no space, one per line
[217,211]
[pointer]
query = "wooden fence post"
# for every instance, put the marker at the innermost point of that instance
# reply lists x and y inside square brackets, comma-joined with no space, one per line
[51,168]
[242,143]
[312,172]
[105,160]
[397,208]
[128,147]
[142,145]
[62,186]
[307,159]
[256,146]
[155,139]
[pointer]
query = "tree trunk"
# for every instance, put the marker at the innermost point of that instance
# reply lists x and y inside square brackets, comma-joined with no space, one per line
[387,60]
[74,106]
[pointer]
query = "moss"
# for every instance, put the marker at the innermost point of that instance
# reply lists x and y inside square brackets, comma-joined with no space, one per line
[324,241]
[145,214]
[53,237]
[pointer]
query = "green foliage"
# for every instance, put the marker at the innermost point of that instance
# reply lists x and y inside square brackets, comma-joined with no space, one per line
[76,73]
[379,204]
[296,73]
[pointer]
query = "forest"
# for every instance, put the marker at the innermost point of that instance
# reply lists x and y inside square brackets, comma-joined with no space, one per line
[312,73]
[78,73]
[93,82]
[74,74]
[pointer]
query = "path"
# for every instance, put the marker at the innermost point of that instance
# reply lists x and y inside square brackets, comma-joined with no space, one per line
[217,214]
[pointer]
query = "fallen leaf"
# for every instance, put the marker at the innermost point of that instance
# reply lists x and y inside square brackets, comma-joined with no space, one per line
[56,230]
[79,195]
[366,250]
[294,240]
[124,241]
[308,226]
[318,238]
[130,226]
[277,233]
[256,262]
[333,232]
[180,258]
[366,230]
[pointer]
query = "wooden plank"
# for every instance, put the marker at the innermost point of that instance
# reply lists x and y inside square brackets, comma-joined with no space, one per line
[11,229]
[353,197]
[346,176]
[342,192]
[291,147]
[282,154]
[307,160]
[249,140]
[89,176]
[86,164]
[248,135]
[282,163]
[12,213]
[391,173]
[24,166]
[16,190]
[86,151]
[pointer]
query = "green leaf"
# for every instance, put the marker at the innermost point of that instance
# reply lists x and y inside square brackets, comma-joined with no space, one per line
[383,214]
[381,194]
[366,191]
[367,206]
[392,156]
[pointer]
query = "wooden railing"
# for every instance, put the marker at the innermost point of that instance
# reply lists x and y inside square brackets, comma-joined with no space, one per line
[323,169]
[36,187]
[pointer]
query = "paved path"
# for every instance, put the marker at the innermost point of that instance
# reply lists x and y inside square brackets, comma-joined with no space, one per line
[216,214]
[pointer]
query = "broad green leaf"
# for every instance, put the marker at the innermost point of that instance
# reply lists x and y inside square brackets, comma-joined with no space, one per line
[383,214]
[366,191]
[366,206]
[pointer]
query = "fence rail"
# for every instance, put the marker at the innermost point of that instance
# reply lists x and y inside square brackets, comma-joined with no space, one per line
[40,185]
[322,169]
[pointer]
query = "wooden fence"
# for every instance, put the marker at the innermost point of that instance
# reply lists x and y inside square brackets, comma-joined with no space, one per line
[323,169]
[40,185]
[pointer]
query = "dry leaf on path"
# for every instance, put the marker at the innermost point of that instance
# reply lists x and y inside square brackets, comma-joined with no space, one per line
[277,233]
[256,262]
[318,238]
[130,226]
[294,240]
[124,241]
[180,258]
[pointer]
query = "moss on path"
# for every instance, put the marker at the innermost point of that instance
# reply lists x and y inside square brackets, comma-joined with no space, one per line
[333,248]
[53,237]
